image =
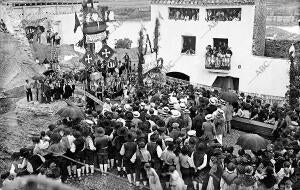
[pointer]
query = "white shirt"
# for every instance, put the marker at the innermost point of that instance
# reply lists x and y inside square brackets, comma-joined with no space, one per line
[292,50]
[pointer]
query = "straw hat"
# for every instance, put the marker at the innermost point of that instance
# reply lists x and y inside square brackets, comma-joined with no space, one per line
[182,106]
[166,109]
[186,111]
[191,133]
[168,139]
[136,114]
[175,125]
[213,101]
[175,113]
[208,117]
[127,107]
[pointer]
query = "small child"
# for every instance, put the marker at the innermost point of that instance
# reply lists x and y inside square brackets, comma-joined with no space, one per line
[176,182]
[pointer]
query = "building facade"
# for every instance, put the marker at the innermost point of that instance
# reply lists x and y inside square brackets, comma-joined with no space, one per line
[212,42]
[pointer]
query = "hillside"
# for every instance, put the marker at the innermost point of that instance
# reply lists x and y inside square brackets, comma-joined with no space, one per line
[16,62]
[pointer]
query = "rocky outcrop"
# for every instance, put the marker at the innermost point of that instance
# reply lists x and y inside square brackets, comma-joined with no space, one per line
[16,60]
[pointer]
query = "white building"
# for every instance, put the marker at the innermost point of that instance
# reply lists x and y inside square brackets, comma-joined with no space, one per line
[189,26]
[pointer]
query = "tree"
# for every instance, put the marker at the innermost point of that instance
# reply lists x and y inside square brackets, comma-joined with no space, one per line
[156,36]
[294,85]
[123,43]
[141,58]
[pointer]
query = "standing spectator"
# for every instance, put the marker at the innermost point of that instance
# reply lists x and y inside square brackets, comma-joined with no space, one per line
[28,87]
[128,149]
[101,144]
[228,117]
[37,87]
[126,58]
[209,127]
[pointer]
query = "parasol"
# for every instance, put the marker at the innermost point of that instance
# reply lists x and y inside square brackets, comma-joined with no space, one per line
[48,72]
[71,111]
[252,142]
[229,97]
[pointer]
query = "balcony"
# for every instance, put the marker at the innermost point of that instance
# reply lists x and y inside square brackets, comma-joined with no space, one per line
[219,63]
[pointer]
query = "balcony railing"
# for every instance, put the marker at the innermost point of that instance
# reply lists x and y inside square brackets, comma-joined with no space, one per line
[221,62]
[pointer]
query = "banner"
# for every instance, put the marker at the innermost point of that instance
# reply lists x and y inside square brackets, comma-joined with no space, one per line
[90,96]
[92,38]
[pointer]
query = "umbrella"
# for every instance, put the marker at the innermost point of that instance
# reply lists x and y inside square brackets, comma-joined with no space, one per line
[252,142]
[229,97]
[37,77]
[48,72]
[71,111]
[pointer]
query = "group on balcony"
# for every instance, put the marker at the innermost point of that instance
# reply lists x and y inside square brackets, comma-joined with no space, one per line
[230,14]
[218,57]
[183,14]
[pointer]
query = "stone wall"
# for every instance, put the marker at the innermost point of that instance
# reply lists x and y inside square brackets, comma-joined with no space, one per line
[259,30]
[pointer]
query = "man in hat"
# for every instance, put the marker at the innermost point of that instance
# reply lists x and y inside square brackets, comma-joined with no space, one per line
[187,121]
[219,122]
[175,118]
[212,106]
[136,119]
[190,133]
[175,132]
[209,127]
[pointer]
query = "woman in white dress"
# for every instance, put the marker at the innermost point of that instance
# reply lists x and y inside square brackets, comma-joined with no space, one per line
[154,182]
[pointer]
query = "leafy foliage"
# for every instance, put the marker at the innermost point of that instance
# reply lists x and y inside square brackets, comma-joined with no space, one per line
[294,87]
[156,36]
[141,58]
[123,43]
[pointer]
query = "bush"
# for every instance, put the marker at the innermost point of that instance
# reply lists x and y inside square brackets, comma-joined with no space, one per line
[279,48]
[123,43]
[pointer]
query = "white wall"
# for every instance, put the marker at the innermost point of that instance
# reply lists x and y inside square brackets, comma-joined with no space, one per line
[239,34]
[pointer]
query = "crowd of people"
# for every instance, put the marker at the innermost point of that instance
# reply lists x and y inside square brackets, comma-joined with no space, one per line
[170,138]
[183,14]
[51,88]
[230,14]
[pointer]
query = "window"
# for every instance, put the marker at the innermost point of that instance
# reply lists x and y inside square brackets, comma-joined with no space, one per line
[183,14]
[229,14]
[189,44]
[220,43]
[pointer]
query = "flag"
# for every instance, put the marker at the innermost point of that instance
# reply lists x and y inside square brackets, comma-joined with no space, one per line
[77,23]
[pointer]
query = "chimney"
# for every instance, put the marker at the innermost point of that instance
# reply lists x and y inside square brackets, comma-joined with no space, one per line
[259,29]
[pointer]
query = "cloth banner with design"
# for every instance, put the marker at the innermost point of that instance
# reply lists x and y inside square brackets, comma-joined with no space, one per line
[93,38]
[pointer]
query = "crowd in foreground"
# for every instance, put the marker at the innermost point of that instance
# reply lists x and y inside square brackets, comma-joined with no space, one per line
[169,139]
